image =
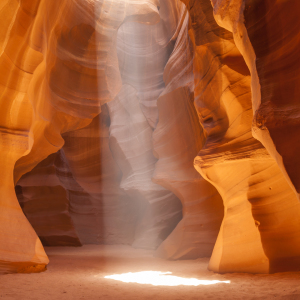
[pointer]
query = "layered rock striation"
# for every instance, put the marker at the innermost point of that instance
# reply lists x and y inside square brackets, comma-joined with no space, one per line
[143,52]
[53,57]
[260,230]
[106,108]
[267,37]
[177,139]
[45,202]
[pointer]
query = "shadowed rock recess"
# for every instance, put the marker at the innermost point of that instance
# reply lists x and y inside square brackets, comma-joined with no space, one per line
[166,125]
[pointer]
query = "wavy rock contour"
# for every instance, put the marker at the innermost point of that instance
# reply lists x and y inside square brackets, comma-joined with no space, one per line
[53,57]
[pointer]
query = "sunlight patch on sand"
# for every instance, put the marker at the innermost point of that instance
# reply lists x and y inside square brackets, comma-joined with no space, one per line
[160,278]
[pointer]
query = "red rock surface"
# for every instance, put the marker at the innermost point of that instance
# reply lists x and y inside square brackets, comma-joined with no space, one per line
[101,211]
[45,202]
[50,79]
[177,139]
[260,229]
[107,107]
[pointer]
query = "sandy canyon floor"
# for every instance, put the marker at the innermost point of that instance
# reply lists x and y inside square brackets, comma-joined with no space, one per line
[79,273]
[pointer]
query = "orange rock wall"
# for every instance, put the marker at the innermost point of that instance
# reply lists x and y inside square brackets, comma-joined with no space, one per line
[277,66]
[45,202]
[260,229]
[49,85]
[107,105]
[176,140]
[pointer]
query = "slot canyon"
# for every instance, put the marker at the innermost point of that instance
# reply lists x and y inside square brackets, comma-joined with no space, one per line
[149,149]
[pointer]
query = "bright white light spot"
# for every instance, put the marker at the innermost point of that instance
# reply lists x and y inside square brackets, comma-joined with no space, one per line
[160,278]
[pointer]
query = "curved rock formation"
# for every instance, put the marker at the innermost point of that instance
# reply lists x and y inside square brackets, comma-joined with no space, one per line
[20,248]
[74,196]
[257,234]
[271,55]
[177,139]
[45,202]
[101,211]
[143,52]
[53,58]
[273,31]
[131,144]
[105,104]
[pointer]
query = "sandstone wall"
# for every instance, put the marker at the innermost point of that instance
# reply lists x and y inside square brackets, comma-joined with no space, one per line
[105,106]
[260,229]
[49,85]
[177,139]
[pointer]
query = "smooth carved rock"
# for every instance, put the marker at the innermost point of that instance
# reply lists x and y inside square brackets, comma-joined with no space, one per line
[131,145]
[67,93]
[101,211]
[74,197]
[45,202]
[143,52]
[20,248]
[53,55]
[61,61]
[93,180]
[273,64]
[177,139]
[196,233]
[273,31]
[260,230]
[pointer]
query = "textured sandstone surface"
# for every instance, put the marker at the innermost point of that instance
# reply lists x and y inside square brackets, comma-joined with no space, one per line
[271,55]
[131,144]
[143,52]
[45,203]
[152,124]
[276,121]
[76,196]
[260,229]
[53,56]
[177,139]
[101,211]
